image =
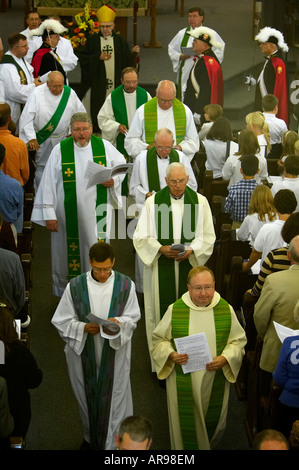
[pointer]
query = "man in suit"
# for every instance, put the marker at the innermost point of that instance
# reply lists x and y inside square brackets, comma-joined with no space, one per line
[276,304]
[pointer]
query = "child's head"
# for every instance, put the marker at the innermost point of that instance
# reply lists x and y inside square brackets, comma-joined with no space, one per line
[285,201]
[249,165]
[262,203]
[289,139]
[221,130]
[291,165]
[248,143]
[270,103]
[212,112]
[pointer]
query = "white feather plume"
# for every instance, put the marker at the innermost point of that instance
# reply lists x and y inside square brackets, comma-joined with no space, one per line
[52,25]
[204,30]
[266,32]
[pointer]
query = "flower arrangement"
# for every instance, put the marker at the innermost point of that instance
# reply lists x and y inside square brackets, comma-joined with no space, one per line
[84,23]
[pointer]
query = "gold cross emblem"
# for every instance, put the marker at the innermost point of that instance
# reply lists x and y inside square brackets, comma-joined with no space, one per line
[75,265]
[73,246]
[68,172]
[50,127]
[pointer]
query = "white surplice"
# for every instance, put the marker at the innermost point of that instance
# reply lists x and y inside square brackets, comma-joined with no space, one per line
[72,332]
[147,248]
[106,119]
[174,52]
[135,138]
[16,93]
[201,321]
[49,205]
[39,109]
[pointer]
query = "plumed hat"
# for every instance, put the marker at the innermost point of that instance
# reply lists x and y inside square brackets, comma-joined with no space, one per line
[106,14]
[206,35]
[48,27]
[272,35]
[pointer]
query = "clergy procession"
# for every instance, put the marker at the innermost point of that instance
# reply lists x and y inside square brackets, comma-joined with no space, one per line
[149,233]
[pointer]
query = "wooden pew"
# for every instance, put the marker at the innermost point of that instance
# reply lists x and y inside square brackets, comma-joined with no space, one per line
[220,217]
[212,187]
[198,164]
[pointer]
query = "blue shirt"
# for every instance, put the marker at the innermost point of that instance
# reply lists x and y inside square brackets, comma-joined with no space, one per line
[286,372]
[238,199]
[11,201]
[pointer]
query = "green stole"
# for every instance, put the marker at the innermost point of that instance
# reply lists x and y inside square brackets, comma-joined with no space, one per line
[152,167]
[99,388]
[151,120]
[180,328]
[8,59]
[183,44]
[164,227]
[70,199]
[120,113]
[44,133]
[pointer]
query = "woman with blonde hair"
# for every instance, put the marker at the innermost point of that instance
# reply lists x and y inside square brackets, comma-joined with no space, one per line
[289,141]
[257,123]
[260,211]
[248,145]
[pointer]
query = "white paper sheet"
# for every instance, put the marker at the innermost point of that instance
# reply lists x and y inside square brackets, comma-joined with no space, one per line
[197,348]
[284,332]
[97,174]
[188,51]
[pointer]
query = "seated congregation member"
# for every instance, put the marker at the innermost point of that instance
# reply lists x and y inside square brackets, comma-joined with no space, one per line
[16,162]
[286,374]
[277,126]
[12,285]
[276,303]
[238,199]
[261,210]
[247,145]
[20,371]
[211,113]
[270,439]
[256,122]
[7,237]
[269,236]
[99,357]
[278,259]
[11,197]
[196,418]
[219,145]
[174,215]
[290,141]
[290,178]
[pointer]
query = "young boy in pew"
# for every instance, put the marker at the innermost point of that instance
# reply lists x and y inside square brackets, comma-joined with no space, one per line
[239,195]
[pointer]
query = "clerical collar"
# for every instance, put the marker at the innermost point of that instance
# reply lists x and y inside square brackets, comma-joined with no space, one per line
[161,157]
[177,197]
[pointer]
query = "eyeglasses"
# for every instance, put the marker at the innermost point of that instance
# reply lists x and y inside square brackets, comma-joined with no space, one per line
[106,25]
[202,288]
[174,182]
[166,101]
[160,148]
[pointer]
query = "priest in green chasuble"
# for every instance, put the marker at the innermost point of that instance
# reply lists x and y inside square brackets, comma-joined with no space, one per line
[175,215]
[198,399]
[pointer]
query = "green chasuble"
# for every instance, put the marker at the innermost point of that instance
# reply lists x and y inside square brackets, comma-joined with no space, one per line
[164,227]
[50,127]
[183,44]
[152,167]
[70,199]
[180,328]
[120,113]
[99,387]
[151,120]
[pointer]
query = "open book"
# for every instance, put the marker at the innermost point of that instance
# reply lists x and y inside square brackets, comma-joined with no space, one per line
[97,174]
